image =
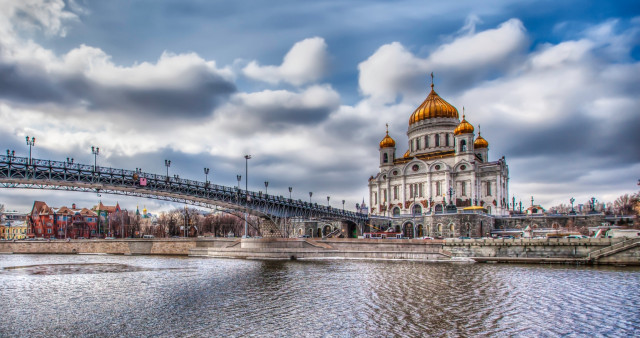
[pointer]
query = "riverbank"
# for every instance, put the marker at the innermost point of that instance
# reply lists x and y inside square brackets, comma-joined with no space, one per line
[610,251]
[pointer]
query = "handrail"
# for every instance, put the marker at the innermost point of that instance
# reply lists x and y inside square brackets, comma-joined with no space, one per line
[619,245]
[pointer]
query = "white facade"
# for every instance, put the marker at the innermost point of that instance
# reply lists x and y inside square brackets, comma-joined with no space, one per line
[443,153]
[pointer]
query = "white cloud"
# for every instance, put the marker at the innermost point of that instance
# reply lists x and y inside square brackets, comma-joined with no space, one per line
[306,62]
[393,70]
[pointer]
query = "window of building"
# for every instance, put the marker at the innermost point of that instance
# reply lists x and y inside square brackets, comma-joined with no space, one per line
[446,140]
[48,231]
[418,143]
[375,198]
[438,188]
[463,188]
[420,189]
[437,139]
[410,190]
[426,141]
[395,192]
[463,146]
[385,158]
[384,195]
[488,188]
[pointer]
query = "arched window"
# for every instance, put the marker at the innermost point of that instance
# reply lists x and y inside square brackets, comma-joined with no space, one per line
[385,158]
[396,211]
[437,137]
[446,140]
[426,141]
[418,144]
[463,146]
[417,209]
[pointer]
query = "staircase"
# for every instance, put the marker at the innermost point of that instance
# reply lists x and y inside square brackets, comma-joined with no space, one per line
[333,233]
[613,249]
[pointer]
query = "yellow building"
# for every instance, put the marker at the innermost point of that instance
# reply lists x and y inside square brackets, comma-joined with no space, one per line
[13,230]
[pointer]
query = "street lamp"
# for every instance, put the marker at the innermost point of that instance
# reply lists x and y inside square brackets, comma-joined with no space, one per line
[266,186]
[343,205]
[290,190]
[167,163]
[328,197]
[95,151]
[310,194]
[206,173]
[572,212]
[31,143]
[246,189]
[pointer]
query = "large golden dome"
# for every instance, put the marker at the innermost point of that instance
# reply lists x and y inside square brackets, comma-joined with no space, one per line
[480,142]
[463,128]
[387,142]
[432,107]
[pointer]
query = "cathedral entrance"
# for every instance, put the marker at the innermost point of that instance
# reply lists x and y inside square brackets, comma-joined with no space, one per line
[407,230]
[419,231]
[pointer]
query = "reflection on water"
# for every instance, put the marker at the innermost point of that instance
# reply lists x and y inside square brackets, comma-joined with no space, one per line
[175,296]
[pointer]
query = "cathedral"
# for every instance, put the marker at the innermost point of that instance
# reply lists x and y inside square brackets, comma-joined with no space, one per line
[446,169]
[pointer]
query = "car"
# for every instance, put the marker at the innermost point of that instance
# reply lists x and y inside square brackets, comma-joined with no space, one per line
[425,237]
[577,236]
[109,238]
[304,236]
[464,237]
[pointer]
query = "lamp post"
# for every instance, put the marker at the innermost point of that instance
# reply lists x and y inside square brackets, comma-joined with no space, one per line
[95,151]
[246,189]
[167,163]
[343,205]
[290,190]
[328,197]
[572,212]
[266,187]
[310,194]
[206,174]
[31,143]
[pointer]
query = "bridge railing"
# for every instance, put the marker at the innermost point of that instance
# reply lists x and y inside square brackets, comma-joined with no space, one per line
[40,169]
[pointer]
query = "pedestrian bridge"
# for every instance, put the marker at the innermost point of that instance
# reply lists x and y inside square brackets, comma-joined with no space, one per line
[26,173]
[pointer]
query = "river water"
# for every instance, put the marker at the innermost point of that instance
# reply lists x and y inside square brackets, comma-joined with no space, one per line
[88,295]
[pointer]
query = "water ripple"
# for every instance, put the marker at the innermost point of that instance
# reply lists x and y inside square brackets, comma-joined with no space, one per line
[172,296]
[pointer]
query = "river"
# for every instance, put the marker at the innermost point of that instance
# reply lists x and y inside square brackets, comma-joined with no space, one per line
[100,295]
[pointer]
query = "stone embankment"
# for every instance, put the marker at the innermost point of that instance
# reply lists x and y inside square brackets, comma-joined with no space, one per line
[572,251]
[172,246]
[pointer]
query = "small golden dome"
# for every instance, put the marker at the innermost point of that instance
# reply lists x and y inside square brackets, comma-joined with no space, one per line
[480,142]
[432,107]
[406,154]
[387,141]
[463,128]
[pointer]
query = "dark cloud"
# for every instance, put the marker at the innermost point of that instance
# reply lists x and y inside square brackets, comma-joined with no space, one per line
[205,91]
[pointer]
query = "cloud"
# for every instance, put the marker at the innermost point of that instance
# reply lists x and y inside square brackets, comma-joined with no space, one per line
[182,85]
[306,62]
[394,71]
[35,15]
[271,110]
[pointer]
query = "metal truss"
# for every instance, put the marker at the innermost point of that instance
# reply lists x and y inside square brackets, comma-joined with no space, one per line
[25,173]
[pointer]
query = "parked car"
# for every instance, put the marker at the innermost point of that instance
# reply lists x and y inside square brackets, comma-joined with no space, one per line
[577,236]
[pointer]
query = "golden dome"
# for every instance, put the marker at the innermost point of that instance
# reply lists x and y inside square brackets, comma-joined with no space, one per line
[480,142]
[432,107]
[463,128]
[406,154]
[387,141]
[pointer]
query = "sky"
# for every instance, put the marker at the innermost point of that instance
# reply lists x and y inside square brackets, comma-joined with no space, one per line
[306,88]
